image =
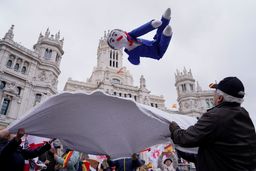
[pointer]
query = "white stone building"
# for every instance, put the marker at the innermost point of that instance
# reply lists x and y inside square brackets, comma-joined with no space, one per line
[113,78]
[27,76]
[191,98]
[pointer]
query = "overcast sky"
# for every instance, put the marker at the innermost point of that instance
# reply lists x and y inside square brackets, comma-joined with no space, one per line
[214,39]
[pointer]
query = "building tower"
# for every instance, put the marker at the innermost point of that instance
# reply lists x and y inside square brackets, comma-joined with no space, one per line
[27,76]
[191,98]
[109,67]
[113,78]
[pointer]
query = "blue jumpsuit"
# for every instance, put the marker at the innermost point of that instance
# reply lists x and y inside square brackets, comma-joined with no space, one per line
[154,49]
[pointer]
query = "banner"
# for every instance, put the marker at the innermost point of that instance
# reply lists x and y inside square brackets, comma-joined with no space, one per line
[100,124]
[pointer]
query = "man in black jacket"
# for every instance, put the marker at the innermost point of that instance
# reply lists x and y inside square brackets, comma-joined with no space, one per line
[12,156]
[224,134]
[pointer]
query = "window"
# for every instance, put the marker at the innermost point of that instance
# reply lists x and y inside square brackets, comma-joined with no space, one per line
[19,90]
[208,103]
[16,67]
[135,98]
[23,70]
[120,94]
[152,105]
[2,85]
[5,106]
[130,95]
[37,99]
[156,105]
[183,87]
[116,81]
[212,102]
[113,59]
[191,87]
[125,95]
[9,63]
[57,58]
[115,93]
[48,53]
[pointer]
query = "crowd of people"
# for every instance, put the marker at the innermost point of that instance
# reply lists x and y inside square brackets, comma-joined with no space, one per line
[52,156]
[224,134]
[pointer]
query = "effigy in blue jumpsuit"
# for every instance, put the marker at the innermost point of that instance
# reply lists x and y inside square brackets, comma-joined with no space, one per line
[136,47]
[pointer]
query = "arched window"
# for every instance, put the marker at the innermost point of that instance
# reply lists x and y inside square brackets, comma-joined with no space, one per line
[19,90]
[2,85]
[183,87]
[116,81]
[5,106]
[57,58]
[48,53]
[191,87]
[9,63]
[16,67]
[111,54]
[117,64]
[23,70]
[37,98]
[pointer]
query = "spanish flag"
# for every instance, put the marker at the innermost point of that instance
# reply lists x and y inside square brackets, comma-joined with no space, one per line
[149,165]
[120,71]
[146,150]
[66,160]
[85,165]
[168,148]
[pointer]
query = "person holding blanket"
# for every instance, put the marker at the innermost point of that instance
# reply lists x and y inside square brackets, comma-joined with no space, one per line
[12,156]
[224,134]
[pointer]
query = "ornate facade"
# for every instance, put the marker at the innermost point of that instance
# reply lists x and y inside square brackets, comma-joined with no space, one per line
[113,78]
[27,76]
[191,98]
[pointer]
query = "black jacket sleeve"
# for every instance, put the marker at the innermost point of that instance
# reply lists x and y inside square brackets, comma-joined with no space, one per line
[111,163]
[30,154]
[9,148]
[137,163]
[204,130]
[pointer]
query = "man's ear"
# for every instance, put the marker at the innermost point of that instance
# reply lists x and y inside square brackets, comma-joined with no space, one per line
[220,99]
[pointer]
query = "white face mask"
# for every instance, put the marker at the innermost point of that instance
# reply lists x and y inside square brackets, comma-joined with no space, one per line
[117,39]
